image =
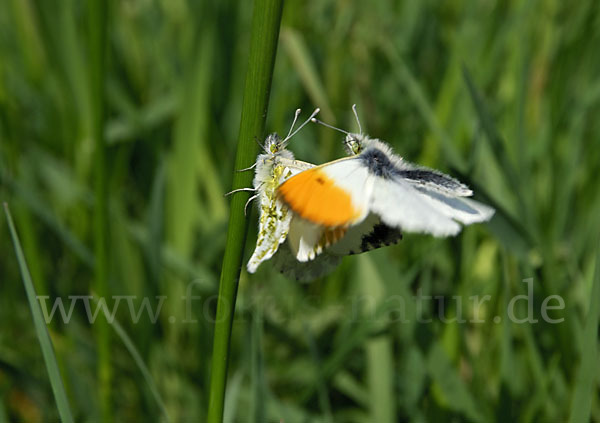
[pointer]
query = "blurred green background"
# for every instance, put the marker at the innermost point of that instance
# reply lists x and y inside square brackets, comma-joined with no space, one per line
[503,94]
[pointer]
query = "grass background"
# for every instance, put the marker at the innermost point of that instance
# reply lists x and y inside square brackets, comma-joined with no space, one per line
[504,94]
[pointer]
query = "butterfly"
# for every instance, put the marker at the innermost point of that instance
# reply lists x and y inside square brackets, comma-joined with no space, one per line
[273,166]
[374,181]
[306,240]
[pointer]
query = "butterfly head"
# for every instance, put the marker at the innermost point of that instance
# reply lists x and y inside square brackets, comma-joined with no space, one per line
[354,144]
[274,144]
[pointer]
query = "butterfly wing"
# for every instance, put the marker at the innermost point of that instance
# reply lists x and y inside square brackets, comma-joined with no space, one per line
[464,210]
[334,194]
[444,193]
[274,216]
[415,199]
[368,235]
[343,192]
[401,206]
[307,240]
[432,180]
[285,261]
[313,251]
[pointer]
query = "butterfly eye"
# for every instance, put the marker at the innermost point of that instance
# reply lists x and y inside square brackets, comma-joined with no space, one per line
[355,148]
[273,148]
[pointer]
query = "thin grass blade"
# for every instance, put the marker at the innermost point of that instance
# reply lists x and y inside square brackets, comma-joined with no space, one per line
[257,369]
[97,18]
[585,388]
[322,391]
[422,103]
[3,415]
[40,328]
[496,143]
[378,350]
[298,52]
[141,365]
[449,388]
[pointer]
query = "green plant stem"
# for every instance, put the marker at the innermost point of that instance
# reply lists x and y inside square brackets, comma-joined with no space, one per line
[97,17]
[587,374]
[263,47]
[41,330]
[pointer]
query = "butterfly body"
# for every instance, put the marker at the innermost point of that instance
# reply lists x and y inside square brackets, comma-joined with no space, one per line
[272,168]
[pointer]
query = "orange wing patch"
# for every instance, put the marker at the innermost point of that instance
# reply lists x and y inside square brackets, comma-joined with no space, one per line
[314,196]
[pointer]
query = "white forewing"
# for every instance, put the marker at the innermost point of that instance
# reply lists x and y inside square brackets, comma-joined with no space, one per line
[432,180]
[353,177]
[416,198]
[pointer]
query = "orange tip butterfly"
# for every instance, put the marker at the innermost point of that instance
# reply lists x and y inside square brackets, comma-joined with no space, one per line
[271,168]
[375,181]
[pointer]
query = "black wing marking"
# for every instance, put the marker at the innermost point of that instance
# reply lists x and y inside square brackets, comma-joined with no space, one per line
[380,164]
[381,235]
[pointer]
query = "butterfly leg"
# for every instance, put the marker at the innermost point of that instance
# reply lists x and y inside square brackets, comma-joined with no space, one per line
[248,168]
[240,190]
[248,202]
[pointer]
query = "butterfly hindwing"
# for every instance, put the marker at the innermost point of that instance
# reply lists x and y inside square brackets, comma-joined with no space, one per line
[286,263]
[368,235]
[274,216]
[307,239]
[462,209]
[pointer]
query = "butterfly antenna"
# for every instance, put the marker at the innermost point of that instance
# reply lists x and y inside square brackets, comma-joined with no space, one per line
[357,119]
[315,120]
[293,122]
[311,117]
[262,147]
